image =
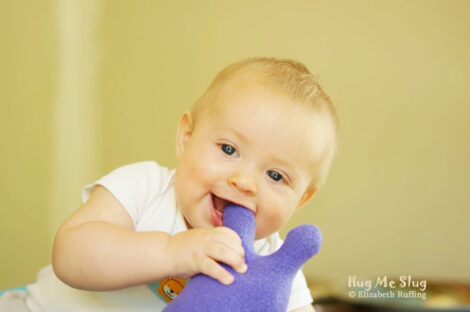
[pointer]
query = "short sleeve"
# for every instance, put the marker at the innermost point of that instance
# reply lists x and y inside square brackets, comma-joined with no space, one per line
[132,185]
[300,294]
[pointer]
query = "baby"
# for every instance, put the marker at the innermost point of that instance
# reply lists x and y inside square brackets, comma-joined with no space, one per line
[262,136]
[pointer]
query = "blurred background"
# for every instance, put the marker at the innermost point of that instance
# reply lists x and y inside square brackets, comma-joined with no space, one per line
[87,86]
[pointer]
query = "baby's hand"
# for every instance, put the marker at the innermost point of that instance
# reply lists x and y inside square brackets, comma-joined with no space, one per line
[198,250]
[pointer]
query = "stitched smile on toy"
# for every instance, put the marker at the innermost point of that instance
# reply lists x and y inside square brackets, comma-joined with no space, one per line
[218,206]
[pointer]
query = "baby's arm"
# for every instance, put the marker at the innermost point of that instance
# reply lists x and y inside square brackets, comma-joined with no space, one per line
[97,249]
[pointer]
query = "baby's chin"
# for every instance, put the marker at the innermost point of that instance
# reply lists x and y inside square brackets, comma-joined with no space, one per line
[264,233]
[188,224]
[198,223]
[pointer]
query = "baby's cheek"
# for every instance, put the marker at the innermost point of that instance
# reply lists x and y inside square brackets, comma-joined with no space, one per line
[209,169]
[282,209]
[195,166]
[269,220]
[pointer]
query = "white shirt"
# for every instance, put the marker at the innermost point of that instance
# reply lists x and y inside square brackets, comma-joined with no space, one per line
[146,190]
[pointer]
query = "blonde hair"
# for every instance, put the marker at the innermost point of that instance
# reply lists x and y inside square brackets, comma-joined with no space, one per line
[289,77]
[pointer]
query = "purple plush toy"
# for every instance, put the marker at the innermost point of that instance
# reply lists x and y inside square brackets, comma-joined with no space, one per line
[267,283]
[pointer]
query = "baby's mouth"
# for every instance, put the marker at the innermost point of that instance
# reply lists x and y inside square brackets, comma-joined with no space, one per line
[219,205]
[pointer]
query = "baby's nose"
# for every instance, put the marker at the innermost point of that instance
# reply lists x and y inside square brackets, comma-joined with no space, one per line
[244,183]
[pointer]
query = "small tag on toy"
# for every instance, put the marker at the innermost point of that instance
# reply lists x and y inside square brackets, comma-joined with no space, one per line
[168,289]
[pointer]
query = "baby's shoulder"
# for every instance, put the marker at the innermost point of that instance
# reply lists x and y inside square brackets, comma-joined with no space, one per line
[141,166]
[144,175]
[147,168]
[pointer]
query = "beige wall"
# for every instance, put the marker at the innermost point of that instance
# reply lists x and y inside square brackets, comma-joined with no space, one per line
[396,201]
[50,125]
[27,77]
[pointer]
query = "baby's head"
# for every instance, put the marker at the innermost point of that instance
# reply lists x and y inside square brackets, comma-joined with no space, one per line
[262,136]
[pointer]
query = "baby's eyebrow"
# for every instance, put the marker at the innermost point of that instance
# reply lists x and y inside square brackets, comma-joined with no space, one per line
[292,171]
[238,134]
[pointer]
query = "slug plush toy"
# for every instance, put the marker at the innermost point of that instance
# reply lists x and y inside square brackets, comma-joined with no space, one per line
[267,283]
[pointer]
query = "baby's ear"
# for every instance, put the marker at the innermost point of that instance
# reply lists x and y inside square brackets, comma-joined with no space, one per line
[306,197]
[183,132]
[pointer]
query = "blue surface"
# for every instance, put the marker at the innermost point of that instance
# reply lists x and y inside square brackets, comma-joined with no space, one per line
[20,288]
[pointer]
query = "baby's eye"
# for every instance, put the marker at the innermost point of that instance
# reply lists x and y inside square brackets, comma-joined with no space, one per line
[274,175]
[228,149]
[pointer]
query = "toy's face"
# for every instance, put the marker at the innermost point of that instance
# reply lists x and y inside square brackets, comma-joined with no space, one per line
[254,148]
[170,288]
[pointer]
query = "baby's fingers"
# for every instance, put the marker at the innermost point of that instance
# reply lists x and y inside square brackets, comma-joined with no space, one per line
[229,239]
[232,258]
[211,268]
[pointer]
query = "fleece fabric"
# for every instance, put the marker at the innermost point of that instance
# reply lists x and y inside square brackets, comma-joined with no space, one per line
[267,283]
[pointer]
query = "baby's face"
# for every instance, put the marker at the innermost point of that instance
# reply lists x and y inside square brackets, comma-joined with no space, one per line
[253,147]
